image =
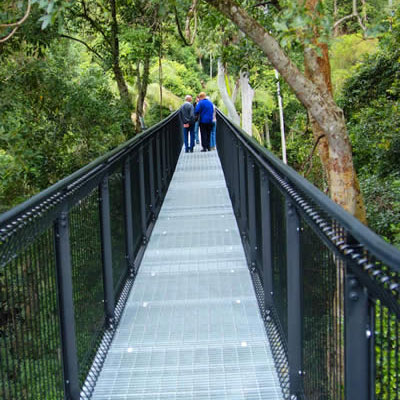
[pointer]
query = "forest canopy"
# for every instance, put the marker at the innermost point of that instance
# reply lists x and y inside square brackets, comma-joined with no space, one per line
[79,78]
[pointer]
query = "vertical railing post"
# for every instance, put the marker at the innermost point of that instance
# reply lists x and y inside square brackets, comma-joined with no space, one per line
[143,219]
[251,198]
[129,238]
[294,297]
[106,251]
[228,153]
[168,155]
[159,169]
[236,188]
[66,306]
[266,240]
[151,181]
[164,160]
[242,193]
[357,362]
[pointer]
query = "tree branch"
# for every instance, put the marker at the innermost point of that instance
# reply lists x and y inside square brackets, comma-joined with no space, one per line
[309,158]
[353,14]
[84,43]
[192,13]
[16,25]
[274,3]
[94,24]
[179,28]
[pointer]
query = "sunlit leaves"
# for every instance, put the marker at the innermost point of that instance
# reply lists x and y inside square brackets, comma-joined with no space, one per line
[296,25]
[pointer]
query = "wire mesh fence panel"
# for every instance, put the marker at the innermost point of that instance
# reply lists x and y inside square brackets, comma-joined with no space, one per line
[278,232]
[117,217]
[87,279]
[30,348]
[386,356]
[323,315]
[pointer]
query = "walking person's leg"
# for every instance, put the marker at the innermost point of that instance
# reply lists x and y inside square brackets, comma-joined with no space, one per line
[203,132]
[212,135]
[192,139]
[196,132]
[185,138]
[207,132]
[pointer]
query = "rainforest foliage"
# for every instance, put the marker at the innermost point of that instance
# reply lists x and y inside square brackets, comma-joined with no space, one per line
[79,78]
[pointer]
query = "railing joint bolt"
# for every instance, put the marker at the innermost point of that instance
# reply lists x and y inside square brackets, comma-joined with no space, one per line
[353,296]
[353,283]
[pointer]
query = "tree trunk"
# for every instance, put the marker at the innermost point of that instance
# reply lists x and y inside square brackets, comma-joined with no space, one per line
[122,86]
[235,91]
[281,120]
[267,136]
[142,84]
[318,70]
[232,113]
[319,102]
[247,102]
[119,77]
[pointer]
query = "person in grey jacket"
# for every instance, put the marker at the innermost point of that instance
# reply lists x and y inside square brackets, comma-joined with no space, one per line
[187,117]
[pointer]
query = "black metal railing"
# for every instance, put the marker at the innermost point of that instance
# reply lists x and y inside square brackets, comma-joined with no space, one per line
[329,288]
[67,259]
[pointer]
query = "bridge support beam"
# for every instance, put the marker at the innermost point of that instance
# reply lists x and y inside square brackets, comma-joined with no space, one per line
[66,306]
[357,334]
[106,251]
[294,297]
[266,240]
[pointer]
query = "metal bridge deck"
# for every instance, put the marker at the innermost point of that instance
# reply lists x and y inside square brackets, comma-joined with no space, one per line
[191,328]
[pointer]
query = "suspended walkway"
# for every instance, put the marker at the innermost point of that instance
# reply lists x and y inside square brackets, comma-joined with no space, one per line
[154,274]
[191,328]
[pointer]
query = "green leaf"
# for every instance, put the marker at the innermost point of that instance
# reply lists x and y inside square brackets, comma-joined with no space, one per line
[281,26]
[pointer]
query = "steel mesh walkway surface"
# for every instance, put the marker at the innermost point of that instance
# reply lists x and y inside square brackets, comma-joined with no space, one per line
[191,328]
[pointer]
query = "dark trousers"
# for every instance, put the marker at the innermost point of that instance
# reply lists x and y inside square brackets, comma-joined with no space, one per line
[205,131]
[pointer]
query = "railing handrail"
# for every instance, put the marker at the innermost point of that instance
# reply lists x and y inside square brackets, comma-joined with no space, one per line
[384,251]
[11,215]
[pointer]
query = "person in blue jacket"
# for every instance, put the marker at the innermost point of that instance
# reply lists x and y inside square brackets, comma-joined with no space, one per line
[204,110]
